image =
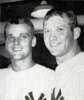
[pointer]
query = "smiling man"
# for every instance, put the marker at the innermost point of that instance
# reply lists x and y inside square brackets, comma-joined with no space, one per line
[23,79]
[60,36]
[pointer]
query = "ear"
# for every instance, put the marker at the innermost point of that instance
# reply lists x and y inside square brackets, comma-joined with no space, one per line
[77,32]
[34,41]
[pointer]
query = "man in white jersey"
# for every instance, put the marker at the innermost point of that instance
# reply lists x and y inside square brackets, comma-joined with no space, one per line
[60,36]
[23,79]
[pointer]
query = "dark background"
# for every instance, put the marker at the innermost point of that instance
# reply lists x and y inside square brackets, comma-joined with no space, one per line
[24,8]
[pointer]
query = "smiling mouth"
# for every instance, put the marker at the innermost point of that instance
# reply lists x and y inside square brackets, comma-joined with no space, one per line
[17,49]
[54,44]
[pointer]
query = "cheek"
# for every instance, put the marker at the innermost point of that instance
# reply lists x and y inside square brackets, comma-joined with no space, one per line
[46,42]
[9,48]
[66,37]
[46,38]
[70,39]
[8,45]
[26,45]
[69,42]
[63,36]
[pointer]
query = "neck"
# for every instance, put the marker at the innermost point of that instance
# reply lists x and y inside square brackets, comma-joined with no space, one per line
[73,52]
[23,64]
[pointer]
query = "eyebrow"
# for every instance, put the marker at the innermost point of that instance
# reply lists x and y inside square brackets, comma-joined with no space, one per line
[24,33]
[62,26]
[47,29]
[9,35]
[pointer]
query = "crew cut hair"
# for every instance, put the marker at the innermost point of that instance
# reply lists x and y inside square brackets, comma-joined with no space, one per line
[19,21]
[63,13]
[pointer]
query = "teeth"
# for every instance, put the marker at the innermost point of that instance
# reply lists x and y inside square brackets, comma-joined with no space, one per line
[54,44]
[17,49]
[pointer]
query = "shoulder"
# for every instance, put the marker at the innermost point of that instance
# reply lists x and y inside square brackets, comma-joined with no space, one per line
[79,59]
[78,62]
[44,68]
[74,64]
[80,55]
[4,70]
[45,73]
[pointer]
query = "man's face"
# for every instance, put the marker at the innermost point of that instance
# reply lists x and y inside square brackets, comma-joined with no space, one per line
[19,41]
[58,36]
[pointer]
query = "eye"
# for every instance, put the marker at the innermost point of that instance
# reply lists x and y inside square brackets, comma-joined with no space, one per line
[10,38]
[46,31]
[24,37]
[59,29]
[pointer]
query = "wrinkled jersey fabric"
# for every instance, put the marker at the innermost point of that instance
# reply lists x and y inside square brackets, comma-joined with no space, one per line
[69,77]
[34,82]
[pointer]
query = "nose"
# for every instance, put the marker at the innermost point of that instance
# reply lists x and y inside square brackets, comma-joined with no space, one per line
[52,37]
[16,41]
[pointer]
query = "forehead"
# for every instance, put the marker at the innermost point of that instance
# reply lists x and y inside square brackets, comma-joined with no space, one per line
[56,21]
[17,28]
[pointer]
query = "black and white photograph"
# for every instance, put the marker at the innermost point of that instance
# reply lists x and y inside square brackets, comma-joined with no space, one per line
[42,50]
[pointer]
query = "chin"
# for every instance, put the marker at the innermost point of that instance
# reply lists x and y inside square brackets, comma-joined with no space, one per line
[56,53]
[17,57]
